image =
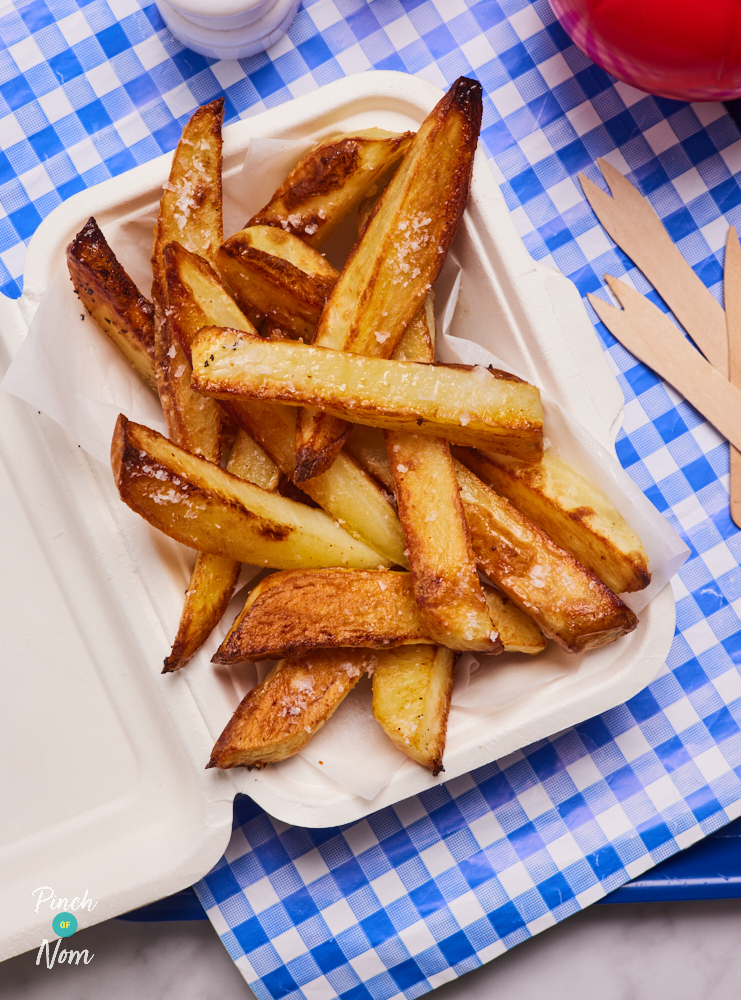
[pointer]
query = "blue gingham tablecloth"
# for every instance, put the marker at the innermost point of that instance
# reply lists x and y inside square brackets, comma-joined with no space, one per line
[420,893]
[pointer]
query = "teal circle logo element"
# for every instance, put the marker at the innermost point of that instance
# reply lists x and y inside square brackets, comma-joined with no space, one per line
[64,924]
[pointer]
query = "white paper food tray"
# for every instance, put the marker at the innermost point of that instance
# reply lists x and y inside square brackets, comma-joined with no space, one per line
[106,787]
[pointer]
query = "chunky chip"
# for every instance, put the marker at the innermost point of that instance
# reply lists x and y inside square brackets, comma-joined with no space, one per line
[205,507]
[275,274]
[412,687]
[575,514]
[278,718]
[289,612]
[112,299]
[211,586]
[476,406]
[191,207]
[394,264]
[446,585]
[190,212]
[329,181]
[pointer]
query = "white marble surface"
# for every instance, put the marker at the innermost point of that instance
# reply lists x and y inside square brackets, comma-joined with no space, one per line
[652,951]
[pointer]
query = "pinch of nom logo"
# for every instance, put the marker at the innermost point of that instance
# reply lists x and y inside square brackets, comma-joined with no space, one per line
[64,925]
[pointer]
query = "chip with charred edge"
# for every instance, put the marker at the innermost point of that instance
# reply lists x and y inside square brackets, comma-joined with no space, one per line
[190,210]
[112,299]
[394,264]
[278,717]
[290,612]
[275,274]
[205,507]
[412,687]
[475,406]
[329,181]
[568,602]
[293,611]
[575,514]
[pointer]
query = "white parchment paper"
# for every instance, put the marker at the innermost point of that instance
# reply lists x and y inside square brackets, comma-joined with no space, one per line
[68,369]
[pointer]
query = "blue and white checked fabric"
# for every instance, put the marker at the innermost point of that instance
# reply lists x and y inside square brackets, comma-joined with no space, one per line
[420,893]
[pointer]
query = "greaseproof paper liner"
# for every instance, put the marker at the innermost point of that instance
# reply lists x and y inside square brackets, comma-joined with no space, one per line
[96,384]
[353,749]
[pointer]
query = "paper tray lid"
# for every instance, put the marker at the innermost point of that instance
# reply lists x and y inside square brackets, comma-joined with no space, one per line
[98,793]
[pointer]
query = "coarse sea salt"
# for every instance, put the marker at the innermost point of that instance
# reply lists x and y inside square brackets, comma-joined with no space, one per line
[538,575]
[302,683]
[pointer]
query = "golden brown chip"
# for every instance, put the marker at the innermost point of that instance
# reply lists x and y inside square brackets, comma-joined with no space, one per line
[575,514]
[393,266]
[205,507]
[279,717]
[112,299]
[275,274]
[191,207]
[451,603]
[465,404]
[567,600]
[329,181]
[211,586]
[290,612]
[412,687]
